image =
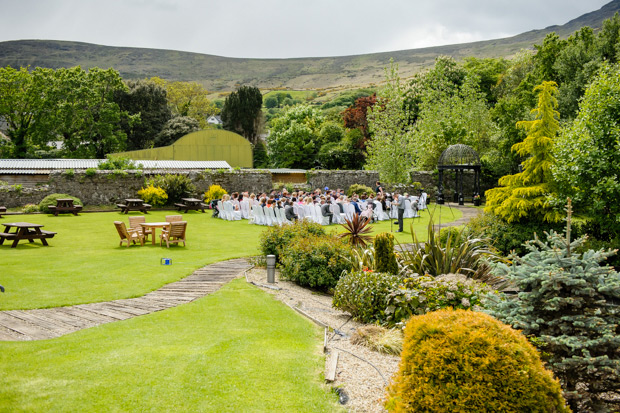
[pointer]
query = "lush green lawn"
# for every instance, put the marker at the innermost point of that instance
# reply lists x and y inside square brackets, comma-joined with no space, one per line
[236,350]
[84,262]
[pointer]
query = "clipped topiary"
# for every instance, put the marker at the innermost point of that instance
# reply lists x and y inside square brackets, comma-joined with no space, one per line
[385,259]
[51,200]
[466,361]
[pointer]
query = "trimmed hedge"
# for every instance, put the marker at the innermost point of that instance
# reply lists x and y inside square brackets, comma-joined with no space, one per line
[466,361]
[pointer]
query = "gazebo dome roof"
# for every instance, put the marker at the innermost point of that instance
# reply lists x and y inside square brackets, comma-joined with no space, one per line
[457,155]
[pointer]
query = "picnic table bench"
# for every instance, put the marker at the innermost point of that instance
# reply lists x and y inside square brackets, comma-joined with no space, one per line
[24,230]
[2,211]
[134,205]
[64,205]
[191,204]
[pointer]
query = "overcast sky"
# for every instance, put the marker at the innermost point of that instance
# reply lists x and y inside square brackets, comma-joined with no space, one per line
[282,28]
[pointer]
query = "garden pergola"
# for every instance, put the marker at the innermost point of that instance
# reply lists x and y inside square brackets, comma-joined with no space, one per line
[458,157]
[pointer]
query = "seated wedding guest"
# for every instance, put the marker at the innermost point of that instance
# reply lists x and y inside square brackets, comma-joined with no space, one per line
[354,202]
[289,212]
[270,203]
[279,204]
[235,200]
[263,202]
[340,203]
[325,211]
[368,213]
[253,200]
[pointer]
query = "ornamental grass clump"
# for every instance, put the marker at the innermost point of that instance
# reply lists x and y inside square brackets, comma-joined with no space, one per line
[466,361]
[459,254]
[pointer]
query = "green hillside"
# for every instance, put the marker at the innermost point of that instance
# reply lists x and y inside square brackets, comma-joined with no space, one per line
[218,73]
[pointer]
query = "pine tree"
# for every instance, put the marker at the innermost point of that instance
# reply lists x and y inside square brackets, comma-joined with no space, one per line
[570,305]
[524,195]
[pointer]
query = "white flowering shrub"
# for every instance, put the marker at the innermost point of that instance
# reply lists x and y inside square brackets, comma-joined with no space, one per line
[421,295]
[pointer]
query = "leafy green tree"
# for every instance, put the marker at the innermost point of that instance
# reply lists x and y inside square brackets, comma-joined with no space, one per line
[85,115]
[450,116]
[489,72]
[546,56]
[271,102]
[21,99]
[188,99]
[587,152]
[525,194]
[242,112]
[176,128]
[295,137]
[148,100]
[391,149]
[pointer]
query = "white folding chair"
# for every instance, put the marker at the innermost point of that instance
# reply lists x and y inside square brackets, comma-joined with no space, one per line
[244,206]
[335,210]
[422,201]
[309,213]
[380,213]
[408,211]
[259,215]
[220,208]
[270,217]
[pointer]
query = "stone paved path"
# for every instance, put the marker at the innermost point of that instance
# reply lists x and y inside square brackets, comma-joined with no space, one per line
[21,325]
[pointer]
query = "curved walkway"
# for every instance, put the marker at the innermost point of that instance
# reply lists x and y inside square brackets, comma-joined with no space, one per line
[40,324]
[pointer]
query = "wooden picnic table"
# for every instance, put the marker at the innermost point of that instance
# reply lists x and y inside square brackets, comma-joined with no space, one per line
[154,225]
[64,205]
[191,204]
[134,204]
[2,211]
[24,230]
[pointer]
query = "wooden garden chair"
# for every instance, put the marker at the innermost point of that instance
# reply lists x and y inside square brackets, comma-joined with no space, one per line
[128,235]
[134,224]
[174,218]
[176,233]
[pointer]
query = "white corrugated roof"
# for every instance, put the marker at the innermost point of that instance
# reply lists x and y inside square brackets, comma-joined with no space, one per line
[39,166]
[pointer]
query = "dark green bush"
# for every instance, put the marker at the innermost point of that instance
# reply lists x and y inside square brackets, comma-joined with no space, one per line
[273,239]
[450,232]
[363,294]
[176,186]
[385,259]
[359,189]
[51,200]
[316,262]
[507,237]
[466,361]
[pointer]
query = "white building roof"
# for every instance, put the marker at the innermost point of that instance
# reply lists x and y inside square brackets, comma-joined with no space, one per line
[45,166]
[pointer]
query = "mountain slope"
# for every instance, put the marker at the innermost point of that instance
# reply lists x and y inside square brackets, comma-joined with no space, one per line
[223,74]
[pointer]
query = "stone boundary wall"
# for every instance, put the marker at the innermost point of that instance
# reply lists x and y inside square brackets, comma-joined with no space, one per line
[109,187]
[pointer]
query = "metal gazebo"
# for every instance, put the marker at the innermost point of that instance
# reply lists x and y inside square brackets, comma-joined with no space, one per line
[458,158]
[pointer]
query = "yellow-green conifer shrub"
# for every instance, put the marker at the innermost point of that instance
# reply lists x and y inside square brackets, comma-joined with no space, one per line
[467,361]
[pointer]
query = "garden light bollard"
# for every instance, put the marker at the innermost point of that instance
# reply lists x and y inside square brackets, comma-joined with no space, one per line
[271,269]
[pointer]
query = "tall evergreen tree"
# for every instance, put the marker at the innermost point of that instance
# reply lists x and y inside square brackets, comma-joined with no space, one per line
[524,195]
[242,112]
